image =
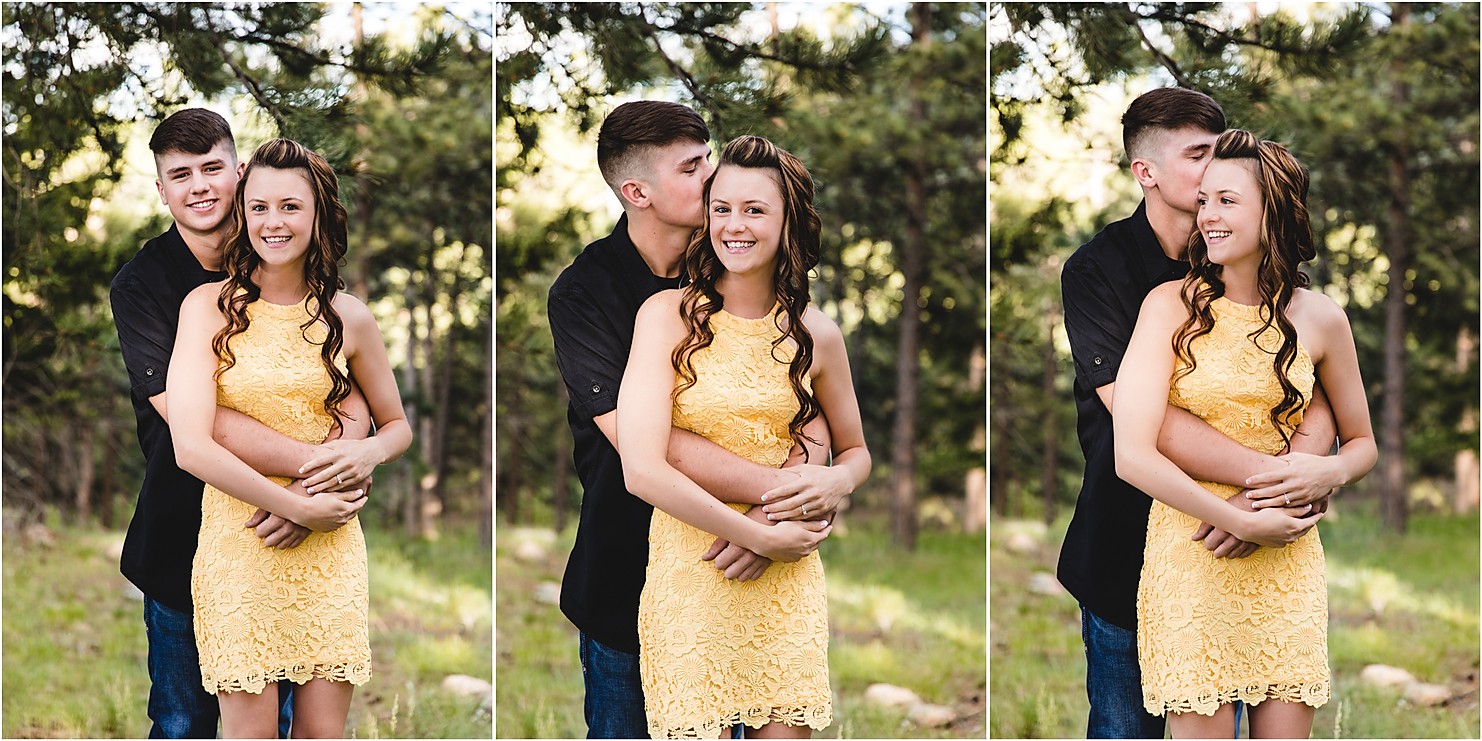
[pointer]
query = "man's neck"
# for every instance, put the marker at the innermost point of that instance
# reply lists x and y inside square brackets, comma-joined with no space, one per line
[660,245]
[1171,226]
[206,246]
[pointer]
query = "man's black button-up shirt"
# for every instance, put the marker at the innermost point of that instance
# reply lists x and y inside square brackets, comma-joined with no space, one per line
[592,306]
[1102,288]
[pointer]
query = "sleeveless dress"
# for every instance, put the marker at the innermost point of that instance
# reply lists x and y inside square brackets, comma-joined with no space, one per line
[263,614]
[1212,630]
[715,652]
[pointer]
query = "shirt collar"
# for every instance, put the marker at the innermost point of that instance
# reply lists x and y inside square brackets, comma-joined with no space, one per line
[1155,263]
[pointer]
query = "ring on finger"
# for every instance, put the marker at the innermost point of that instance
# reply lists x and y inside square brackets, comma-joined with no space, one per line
[338,480]
[1288,499]
[805,511]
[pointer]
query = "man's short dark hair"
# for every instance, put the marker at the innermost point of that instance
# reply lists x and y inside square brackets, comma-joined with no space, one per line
[192,131]
[634,129]
[1168,109]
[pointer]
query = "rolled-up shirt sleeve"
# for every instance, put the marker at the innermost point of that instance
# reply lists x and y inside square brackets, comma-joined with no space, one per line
[146,335]
[1095,322]
[591,353]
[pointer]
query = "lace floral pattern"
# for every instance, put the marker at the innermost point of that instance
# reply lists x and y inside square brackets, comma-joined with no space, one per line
[715,652]
[1212,631]
[262,614]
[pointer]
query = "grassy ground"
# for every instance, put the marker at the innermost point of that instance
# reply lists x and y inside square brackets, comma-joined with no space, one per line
[1405,601]
[914,620]
[74,648]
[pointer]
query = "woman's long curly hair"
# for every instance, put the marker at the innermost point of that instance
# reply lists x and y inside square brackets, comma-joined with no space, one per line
[1285,243]
[797,254]
[327,247]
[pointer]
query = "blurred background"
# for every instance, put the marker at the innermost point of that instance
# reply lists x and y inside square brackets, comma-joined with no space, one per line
[1380,101]
[885,103]
[398,97]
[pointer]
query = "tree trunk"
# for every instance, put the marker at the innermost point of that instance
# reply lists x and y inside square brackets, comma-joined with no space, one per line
[1468,487]
[486,449]
[908,363]
[427,390]
[1049,452]
[975,504]
[84,449]
[1393,505]
[358,283]
[109,488]
[406,491]
[561,481]
[510,472]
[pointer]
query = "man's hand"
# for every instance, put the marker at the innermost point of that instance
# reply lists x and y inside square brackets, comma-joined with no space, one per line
[817,489]
[1304,479]
[736,562]
[1221,543]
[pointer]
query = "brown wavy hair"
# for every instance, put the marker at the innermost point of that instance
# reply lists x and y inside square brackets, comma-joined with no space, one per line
[797,253]
[327,246]
[1285,243]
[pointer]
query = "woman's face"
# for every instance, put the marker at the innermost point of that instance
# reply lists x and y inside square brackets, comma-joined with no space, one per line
[280,214]
[1231,216]
[745,218]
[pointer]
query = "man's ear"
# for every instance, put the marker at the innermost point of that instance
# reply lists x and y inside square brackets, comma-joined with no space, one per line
[161,188]
[1142,170]
[241,169]
[634,192]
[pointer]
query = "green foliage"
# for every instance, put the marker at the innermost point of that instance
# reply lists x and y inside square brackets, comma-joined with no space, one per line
[1407,601]
[912,620]
[66,607]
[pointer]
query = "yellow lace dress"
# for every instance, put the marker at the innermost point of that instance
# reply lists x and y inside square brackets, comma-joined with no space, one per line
[1212,631]
[263,614]
[714,652]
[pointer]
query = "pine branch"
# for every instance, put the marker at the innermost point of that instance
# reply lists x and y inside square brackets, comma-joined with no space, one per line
[1164,60]
[252,86]
[679,71]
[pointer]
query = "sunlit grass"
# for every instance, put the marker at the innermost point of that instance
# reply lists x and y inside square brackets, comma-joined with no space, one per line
[1406,601]
[74,647]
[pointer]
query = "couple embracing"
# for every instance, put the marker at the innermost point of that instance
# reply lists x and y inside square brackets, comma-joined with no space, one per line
[707,398]
[1210,385]
[252,371]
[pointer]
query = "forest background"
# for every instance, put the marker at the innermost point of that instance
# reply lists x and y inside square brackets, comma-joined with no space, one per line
[885,103]
[1380,101]
[399,99]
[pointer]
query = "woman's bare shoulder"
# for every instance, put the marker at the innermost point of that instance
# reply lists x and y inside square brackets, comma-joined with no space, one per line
[202,299]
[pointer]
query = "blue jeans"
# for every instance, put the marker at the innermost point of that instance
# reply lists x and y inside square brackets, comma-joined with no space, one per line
[1114,682]
[614,702]
[178,705]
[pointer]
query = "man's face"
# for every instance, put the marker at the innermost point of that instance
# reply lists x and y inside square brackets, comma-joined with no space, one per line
[198,188]
[676,182]
[1177,163]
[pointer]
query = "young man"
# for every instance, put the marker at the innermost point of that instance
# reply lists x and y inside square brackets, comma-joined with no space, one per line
[655,158]
[1169,136]
[196,161]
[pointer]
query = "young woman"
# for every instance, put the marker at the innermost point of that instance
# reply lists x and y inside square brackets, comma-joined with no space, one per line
[1238,343]
[739,357]
[274,340]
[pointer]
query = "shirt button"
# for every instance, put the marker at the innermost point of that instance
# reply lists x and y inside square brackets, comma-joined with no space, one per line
[148,371]
[596,388]
[1096,360]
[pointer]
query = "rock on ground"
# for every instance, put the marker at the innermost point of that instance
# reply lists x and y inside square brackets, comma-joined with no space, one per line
[548,592]
[1427,695]
[1382,675]
[462,684]
[1043,582]
[927,715]
[890,695]
[1022,543]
